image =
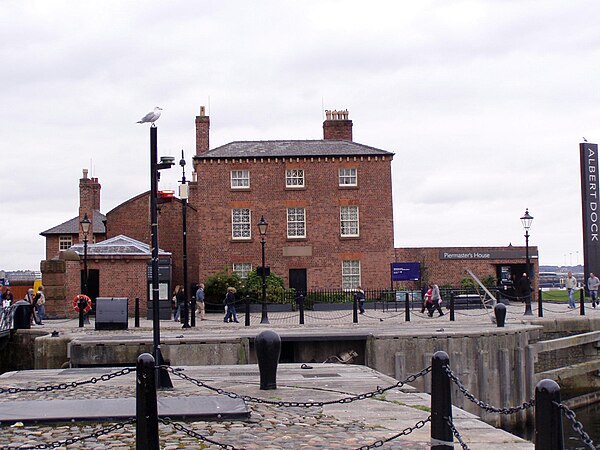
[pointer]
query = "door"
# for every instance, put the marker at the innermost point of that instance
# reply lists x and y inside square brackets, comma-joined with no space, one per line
[93,286]
[298,280]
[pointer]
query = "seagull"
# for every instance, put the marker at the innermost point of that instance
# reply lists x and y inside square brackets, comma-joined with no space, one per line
[151,116]
[584,139]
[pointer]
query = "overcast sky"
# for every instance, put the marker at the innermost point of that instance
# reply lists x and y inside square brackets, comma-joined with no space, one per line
[483,103]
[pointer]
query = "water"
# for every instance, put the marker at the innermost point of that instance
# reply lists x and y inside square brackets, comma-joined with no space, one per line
[589,416]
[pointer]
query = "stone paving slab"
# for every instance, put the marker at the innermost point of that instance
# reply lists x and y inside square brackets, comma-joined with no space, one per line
[332,426]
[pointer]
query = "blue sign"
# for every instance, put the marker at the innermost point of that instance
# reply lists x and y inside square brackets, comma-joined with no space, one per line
[406,271]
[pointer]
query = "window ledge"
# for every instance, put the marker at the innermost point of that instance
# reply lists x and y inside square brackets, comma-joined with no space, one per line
[344,186]
[349,238]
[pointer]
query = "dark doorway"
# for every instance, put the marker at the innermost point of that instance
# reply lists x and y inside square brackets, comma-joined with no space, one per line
[298,280]
[93,286]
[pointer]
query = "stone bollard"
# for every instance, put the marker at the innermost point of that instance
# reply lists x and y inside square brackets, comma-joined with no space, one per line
[268,348]
[500,313]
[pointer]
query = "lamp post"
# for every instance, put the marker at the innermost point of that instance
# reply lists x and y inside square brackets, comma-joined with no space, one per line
[526,221]
[162,376]
[184,194]
[262,229]
[85,228]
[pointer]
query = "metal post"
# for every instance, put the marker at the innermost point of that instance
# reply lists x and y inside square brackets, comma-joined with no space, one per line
[162,377]
[548,416]
[540,307]
[527,262]
[247,318]
[582,302]
[81,304]
[85,268]
[452,317]
[441,403]
[137,312]
[184,198]
[146,405]
[264,318]
[406,308]
[301,308]
[355,309]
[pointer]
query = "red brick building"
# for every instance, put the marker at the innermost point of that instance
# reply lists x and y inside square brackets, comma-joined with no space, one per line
[328,204]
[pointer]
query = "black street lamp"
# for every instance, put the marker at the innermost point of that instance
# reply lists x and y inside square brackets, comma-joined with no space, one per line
[526,221]
[162,376]
[262,229]
[184,194]
[85,228]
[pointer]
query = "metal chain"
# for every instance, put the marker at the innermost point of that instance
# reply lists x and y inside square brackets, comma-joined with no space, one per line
[576,425]
[248,398]
[482,404]
[63,386]
[405,432]
[192,433]
[70,441]
[456,433]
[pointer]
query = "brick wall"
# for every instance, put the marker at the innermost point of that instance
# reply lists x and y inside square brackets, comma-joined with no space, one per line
[322,198]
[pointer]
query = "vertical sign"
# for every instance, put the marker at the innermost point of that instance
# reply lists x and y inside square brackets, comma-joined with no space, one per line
[589,201]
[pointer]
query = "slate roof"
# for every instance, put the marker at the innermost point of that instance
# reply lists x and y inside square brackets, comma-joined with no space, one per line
[118,246]
[272,149]
[72,226]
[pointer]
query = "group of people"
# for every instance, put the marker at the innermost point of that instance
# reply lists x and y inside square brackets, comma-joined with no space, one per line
[593,283]
[179,299]
[37,300]
[432,301]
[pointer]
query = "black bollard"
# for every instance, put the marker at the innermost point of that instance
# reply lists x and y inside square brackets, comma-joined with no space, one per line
[540,308]
[193,311]
[247,318]
[268,348]
[441,403]
[301,308]
[137,312]
[355,309]
[146,406]
[406,308]
[500,313]
[582,302]
[548,416]
[452,318]
[81,304]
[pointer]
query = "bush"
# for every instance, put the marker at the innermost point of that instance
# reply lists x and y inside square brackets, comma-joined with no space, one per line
[276,291]
[216,286]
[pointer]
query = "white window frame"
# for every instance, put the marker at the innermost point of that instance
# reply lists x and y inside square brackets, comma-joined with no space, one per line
[348,177]
[240,179]
[349,226]
[242,269]
[63,240]
[296,223]
[241,226]
[294,178]
[350,274]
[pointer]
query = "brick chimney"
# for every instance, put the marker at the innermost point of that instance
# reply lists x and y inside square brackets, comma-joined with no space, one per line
[202,131]
[89,200]
[337,126]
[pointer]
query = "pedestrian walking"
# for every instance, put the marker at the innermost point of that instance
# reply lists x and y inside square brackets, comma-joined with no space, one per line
[435,302]
[179,295]
[201,307]
[592,284]
[8,298]
[41,305]
[571,285]
[361,298]
[230,304]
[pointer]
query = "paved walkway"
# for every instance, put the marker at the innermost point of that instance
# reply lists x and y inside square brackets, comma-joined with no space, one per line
[337,426]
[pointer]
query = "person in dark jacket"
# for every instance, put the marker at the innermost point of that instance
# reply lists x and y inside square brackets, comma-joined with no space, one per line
[230,303]
[179,301]
[360,298]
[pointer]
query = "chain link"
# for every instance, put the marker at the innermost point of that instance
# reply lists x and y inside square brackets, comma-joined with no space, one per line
[456,433]
[69,441]
[192,433]
[576,425]
[481,403]
[74,384]
[405,432]
[248,398]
